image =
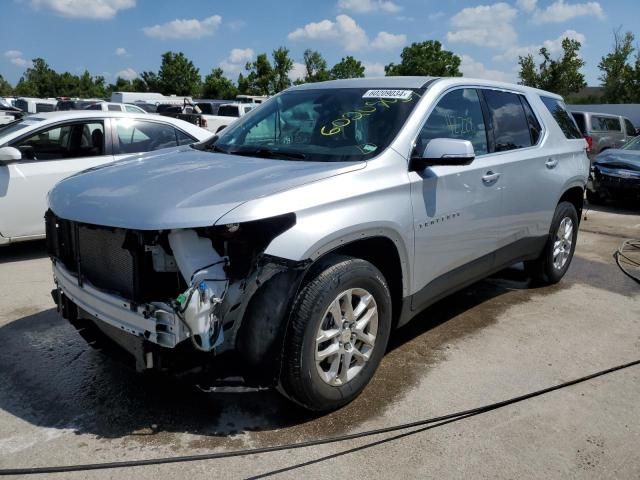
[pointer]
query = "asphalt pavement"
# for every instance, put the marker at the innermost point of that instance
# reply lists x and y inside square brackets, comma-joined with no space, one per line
[62,403]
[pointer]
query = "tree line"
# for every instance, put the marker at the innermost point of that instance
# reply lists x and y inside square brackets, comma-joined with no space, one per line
[620,77]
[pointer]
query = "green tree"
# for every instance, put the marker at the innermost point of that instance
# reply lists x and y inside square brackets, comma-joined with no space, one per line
[5,87]
[348,67]
[260,78]
[67,84]
[243,85]
[617,71]
[426,59]
[151,81]
[315,66]
[561,75]
[39,80]
[282,65]
[178,75]
[139,85]
[216,85]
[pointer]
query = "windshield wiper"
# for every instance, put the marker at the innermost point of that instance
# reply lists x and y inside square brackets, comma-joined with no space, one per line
[268,153]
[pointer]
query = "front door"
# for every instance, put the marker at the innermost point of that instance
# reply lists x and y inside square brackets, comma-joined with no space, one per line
[48,156]
[456,208]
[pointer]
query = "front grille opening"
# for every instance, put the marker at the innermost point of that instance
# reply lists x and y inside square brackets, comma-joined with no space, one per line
[112,259]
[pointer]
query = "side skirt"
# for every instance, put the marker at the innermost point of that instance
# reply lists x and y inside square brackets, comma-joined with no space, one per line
[455,280]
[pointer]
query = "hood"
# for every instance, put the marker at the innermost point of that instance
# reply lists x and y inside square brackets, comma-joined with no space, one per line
[179,189]
[617,158]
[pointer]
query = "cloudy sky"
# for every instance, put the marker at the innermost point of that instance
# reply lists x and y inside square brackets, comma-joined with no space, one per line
[125,37]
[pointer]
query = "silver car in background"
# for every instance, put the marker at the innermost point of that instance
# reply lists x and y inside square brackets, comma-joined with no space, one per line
[604,131]
[287,249]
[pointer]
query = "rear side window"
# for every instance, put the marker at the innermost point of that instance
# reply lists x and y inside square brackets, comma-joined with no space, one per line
[510,124]
[184,139]
[140,136]
[605,124]
[579,118]
[565,121]
[114,108]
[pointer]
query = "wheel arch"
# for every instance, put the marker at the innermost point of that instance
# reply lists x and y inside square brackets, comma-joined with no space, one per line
[574,195]
[383,253]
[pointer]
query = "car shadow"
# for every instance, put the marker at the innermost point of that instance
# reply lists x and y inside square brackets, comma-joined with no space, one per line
[17,252]
[50,377]
[619,207]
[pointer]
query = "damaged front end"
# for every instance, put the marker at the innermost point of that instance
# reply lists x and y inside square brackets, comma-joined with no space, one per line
[203,299]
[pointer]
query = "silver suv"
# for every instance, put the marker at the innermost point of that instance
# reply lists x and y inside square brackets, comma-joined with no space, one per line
[604,131]
[286,250]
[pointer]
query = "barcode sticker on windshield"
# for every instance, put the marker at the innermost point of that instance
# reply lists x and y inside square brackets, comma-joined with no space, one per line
[390,94]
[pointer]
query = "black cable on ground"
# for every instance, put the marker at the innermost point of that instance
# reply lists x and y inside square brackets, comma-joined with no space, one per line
[624,260]
[310,443]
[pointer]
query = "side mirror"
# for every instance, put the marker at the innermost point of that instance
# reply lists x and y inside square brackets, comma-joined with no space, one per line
[444,151]
[9,154]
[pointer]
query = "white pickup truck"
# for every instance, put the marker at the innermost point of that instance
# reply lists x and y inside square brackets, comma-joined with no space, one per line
[227,114]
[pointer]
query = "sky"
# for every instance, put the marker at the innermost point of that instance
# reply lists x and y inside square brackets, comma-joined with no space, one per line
[125,37]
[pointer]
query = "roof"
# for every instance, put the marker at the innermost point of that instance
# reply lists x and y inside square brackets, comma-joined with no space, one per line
[418,82]
[370,82]
[58,116]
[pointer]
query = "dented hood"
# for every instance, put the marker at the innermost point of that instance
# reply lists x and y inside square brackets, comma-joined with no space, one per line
[181,188]
[618,158]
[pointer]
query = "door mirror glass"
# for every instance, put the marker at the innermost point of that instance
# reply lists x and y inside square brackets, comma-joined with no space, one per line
[9,154]
[444,151]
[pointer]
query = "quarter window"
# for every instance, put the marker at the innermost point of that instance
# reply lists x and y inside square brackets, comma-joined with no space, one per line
[457,115]
[565,121]
[631,130]
[114,108]
[66,141]
[511,128]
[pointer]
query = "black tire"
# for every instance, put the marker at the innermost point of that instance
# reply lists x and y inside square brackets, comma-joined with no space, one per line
[300,380]
[594,198]
[542,269]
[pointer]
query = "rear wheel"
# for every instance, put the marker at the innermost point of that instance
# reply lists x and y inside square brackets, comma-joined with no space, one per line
[556,257]
[340,325]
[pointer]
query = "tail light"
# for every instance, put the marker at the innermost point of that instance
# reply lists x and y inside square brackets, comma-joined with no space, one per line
[589,143]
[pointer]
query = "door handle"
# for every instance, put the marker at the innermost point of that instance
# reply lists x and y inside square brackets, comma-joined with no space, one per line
[551,163]
[490,177]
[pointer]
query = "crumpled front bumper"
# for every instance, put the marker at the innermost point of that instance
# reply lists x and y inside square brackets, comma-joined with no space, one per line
[154,322]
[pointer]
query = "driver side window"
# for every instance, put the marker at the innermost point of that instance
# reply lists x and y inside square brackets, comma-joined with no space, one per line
[457,115]
[65,141]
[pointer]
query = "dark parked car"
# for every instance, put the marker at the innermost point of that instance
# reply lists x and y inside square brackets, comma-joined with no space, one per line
[615,174]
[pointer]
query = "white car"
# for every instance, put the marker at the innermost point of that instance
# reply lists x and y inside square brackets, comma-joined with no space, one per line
[115,107]
[42,149]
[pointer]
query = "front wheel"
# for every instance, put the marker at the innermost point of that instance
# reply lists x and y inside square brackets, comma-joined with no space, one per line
[339,329]
[556,257]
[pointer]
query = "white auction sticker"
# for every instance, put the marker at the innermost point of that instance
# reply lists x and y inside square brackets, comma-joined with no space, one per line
[389,94]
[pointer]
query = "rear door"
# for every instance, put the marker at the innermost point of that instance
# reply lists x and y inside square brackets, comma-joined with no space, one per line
[536,166]
[525,164]
[49,155]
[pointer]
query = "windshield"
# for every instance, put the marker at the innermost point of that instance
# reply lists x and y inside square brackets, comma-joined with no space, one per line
[633,144]
[326,125]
